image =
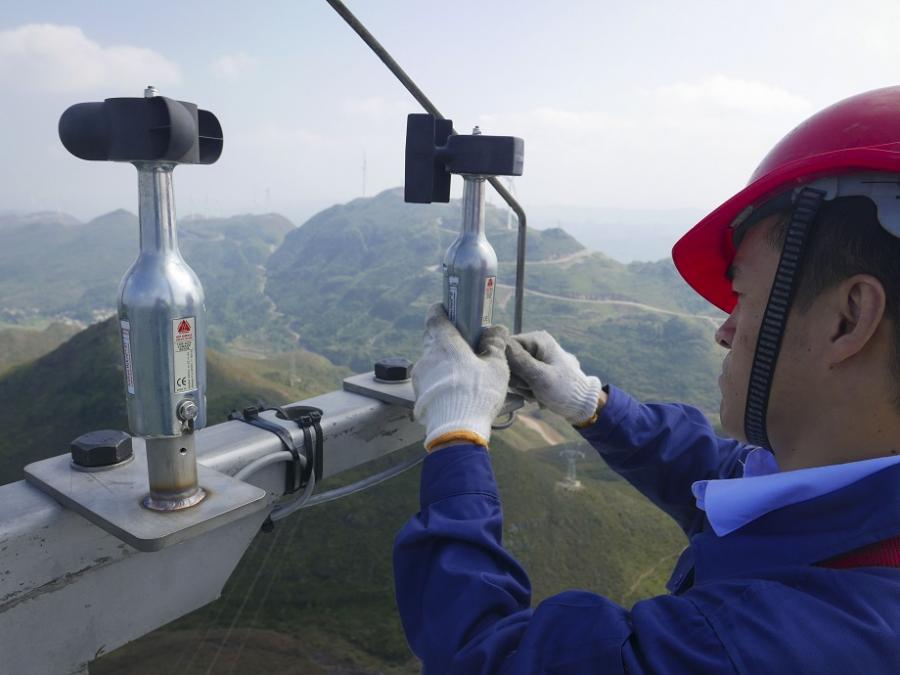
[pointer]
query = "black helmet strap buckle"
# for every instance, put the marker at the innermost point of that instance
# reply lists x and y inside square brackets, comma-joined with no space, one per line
[771,331]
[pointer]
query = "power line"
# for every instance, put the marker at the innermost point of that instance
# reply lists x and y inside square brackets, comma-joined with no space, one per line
[243,604]
[265,597]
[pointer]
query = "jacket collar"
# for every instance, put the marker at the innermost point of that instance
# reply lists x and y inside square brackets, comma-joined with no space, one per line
[805,533]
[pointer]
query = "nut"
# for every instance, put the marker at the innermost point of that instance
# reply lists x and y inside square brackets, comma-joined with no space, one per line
[393,369]
[101,448]
[187,410]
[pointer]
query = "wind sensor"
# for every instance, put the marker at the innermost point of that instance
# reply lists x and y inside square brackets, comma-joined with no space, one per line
[162,311]
[433,154]
[162,319]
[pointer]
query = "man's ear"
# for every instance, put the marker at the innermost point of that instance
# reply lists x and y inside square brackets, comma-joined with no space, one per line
[859,306]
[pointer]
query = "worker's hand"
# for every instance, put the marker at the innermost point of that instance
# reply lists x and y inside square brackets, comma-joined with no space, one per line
[541,370]
[458,392]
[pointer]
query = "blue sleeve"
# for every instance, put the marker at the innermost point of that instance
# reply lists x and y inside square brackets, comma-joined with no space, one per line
[465,603]
[662,449]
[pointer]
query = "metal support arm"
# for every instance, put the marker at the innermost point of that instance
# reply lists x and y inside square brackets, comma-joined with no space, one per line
[85,592]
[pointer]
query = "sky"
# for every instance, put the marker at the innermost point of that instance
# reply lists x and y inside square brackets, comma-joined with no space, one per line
[647,106]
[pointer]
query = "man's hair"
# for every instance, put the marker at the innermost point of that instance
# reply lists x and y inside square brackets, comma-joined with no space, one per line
[847,239]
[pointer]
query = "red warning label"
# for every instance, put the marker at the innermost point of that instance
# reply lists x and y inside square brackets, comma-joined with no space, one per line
[184,356]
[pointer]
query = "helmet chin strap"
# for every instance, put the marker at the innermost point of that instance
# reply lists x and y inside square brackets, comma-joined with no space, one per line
[771,331]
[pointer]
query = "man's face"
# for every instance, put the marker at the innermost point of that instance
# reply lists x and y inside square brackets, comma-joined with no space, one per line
[752,273]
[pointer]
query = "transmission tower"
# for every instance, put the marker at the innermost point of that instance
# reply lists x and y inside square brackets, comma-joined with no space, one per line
[571,455]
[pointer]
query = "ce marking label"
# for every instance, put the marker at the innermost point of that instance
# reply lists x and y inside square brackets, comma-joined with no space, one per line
[181,382]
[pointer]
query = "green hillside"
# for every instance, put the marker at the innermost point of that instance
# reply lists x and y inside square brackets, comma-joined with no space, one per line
[356,278]
[651,355]
[598,277]
[81,264]
[20,345]
[355,281]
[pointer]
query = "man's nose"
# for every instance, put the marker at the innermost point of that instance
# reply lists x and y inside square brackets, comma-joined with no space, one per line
[725,333]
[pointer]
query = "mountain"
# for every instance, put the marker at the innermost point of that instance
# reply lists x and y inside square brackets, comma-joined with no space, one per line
[53,266]
[356,278]
[21,345]
[355,281]
[14,219]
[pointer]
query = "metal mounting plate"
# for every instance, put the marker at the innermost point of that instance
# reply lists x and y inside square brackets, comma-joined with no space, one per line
[112,499]
[395,393]
[402,394]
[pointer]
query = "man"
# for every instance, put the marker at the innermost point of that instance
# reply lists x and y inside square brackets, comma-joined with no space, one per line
[794,557]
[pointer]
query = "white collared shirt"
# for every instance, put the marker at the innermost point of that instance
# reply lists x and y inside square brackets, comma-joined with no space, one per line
[733,502]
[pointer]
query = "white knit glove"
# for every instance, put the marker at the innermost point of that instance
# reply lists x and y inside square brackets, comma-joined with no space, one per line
[541,370]
[458,391]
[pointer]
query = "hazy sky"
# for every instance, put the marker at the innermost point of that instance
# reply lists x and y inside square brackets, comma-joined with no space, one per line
[639,105]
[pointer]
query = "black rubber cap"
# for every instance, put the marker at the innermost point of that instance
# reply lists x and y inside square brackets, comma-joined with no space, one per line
[101,448]
[393,369]
[150,129]
[433,154]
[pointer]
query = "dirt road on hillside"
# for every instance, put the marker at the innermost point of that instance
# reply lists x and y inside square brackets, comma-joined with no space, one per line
[622,303]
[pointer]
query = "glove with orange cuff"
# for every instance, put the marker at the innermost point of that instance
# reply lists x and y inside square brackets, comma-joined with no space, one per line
[543,371]
[458,392]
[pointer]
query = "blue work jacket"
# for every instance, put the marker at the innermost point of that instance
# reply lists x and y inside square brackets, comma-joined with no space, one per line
[753,601]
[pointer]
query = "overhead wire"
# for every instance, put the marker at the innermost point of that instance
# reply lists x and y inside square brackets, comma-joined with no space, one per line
[307,502]
[253,467]
[214,620]
[243,604]
[273,575]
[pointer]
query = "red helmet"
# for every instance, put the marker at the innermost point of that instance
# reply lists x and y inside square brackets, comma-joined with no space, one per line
[860,133]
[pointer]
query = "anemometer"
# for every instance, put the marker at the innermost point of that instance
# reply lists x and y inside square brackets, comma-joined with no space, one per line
[433,154]
[161,306]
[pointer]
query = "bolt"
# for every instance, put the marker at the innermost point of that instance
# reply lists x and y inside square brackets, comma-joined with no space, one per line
[187,410]
[476,131]
[151,91]
[101,448]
